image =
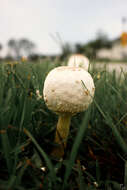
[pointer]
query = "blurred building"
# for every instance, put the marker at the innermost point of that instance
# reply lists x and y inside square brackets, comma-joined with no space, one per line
[118,51]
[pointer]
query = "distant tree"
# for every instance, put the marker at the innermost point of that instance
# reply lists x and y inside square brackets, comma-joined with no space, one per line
[34,57]
[66,50]
[26,46]
[20,47]
[79,48]
[1,47]
[101,41]
[90,49]
[14,48]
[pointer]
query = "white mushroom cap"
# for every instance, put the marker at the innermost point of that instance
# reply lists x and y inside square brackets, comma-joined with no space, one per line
[64,92]
[78,60]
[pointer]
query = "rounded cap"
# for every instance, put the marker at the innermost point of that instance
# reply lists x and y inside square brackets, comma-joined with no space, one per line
[64,91]
[78,60]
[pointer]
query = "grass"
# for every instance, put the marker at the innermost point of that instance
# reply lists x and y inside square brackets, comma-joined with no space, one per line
[96,152]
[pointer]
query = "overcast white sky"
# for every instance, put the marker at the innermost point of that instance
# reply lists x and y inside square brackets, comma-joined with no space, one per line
[74,20]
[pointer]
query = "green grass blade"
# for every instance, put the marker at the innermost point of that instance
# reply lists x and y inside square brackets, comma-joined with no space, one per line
[47,160]
[7,150]
[116,133]
[125,175]
[98,174]
[11,182]
[75,147]
[80,179]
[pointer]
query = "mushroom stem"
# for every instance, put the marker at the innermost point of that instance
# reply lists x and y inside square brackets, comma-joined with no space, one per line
[61,135]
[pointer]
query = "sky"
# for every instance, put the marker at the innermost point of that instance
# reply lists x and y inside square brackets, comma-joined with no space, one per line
[74,20]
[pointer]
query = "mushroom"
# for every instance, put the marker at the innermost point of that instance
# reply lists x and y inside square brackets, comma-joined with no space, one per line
[65,95]
[78,60]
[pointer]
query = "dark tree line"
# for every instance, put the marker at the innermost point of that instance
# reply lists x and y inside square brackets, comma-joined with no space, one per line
[25,47]
[19,47]
[90,48]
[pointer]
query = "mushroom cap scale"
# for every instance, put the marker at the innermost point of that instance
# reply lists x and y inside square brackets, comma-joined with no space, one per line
[64,92]
[78,60]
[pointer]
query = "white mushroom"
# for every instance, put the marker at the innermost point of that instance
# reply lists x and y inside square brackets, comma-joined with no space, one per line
[65,94]
[78,60]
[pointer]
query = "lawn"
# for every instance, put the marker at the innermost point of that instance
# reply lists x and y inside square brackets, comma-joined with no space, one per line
[96,153]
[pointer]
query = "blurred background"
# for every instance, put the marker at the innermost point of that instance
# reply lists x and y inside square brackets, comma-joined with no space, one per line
[55,28]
